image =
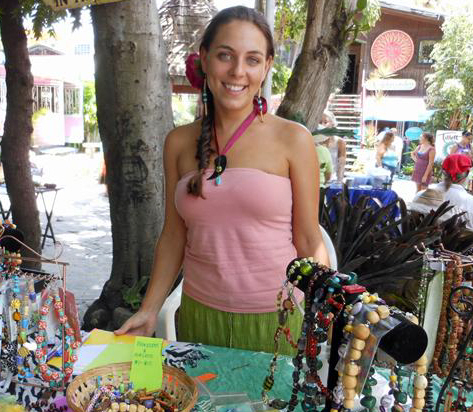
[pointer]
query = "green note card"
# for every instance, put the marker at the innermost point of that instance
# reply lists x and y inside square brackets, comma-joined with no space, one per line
[146,364]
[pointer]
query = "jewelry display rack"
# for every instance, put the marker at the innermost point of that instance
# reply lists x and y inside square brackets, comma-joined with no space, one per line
[461,302]
[61,277]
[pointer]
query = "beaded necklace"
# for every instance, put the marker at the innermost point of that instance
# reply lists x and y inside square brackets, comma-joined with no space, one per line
[55,378]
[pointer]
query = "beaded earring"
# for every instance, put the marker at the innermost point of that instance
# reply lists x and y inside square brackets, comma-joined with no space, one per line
[204,96]
[260,106]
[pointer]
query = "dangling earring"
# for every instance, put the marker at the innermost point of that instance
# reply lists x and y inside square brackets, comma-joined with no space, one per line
[260,106]
[204,96]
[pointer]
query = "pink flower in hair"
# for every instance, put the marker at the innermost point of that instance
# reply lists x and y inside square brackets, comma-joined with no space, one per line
[194,72]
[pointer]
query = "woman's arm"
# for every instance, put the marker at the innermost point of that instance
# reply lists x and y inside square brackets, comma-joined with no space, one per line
[168,253]
[380,151]
[430,166]
[304,174]
[454,148]
[342,159]
[414,153]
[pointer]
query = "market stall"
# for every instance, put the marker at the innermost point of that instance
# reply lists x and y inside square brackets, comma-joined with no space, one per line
[354,352]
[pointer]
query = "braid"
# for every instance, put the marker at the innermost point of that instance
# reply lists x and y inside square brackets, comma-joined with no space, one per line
[204,150]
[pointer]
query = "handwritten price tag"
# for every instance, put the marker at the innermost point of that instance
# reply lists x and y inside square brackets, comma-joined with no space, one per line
[146,364]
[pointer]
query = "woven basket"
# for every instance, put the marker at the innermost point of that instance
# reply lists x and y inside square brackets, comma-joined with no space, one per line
[175,382]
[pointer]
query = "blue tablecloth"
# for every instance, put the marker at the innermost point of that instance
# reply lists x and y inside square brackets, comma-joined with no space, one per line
[384,197]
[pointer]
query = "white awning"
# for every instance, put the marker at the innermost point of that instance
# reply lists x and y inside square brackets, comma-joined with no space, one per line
[396,109]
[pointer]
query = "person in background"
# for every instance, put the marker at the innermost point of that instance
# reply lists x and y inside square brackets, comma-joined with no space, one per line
[464,146]
[455,169]
[337,147]
[386,155]
[398,144]
[423,156]
[325,159]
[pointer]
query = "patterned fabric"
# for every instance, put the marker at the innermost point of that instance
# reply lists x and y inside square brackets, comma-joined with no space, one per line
[421,166]
[250,331]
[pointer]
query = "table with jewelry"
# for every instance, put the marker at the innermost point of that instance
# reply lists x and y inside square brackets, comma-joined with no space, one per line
[221,370]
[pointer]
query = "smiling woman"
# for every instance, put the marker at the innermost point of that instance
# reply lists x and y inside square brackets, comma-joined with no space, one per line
[235,226]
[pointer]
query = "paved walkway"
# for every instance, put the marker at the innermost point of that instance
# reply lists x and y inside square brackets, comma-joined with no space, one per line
[81,222]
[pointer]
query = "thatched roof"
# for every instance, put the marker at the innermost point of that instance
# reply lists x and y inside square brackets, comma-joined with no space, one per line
[183,22]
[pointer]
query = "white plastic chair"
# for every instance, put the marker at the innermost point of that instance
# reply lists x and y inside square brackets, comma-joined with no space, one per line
[165,325]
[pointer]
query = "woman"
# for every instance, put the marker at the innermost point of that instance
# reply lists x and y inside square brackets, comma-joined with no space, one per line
[235,233]
[464,146]
[324,158]
[386,155]
[337,147]
[423,156]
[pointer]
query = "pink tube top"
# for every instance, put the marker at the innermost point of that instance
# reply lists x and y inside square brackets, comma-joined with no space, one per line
[239,239]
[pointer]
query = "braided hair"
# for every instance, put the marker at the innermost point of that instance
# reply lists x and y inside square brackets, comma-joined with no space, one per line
[204,149]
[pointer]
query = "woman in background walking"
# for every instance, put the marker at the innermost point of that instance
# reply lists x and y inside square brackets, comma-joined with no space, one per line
[424,157]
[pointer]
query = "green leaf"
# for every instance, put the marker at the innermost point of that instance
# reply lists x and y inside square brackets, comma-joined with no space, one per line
[361,4]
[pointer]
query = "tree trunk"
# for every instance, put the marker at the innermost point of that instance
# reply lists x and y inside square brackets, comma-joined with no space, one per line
[18,127]
[313,77]
[134,113]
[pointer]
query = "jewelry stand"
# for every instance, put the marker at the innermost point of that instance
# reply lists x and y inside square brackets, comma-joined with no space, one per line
[62,278]
[461,302]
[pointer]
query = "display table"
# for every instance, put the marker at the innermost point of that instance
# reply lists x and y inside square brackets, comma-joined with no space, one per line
[235,371]
[48,208]
[380,197]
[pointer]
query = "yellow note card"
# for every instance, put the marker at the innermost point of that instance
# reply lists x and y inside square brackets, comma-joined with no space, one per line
[146,364]
[103,337]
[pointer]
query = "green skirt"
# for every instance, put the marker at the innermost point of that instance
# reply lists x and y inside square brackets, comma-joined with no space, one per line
[251,331]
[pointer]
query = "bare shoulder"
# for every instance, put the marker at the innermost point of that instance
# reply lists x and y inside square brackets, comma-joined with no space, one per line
[291,133]
[183,136]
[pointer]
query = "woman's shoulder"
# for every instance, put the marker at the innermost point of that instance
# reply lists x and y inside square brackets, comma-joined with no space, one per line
[289,131]
[184,134]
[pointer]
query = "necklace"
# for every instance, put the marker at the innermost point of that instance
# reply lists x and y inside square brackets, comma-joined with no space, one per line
[259,107]
[54,378]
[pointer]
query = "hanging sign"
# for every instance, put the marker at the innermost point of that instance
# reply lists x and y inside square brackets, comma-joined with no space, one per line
[73,4]
[392,48]
[390,84]
[413,133]
[444,140]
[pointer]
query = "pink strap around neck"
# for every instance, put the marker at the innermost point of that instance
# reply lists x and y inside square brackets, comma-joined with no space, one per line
[238,132]
[241,129]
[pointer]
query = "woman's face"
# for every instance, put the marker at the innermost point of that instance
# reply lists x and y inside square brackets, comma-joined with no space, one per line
[326,122]
[466,140]
[236,64]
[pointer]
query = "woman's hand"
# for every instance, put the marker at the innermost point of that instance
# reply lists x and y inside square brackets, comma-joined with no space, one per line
[141,323]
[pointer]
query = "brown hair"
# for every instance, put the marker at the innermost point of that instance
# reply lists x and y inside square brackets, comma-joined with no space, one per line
[429,137]
[388,137]
[204,149]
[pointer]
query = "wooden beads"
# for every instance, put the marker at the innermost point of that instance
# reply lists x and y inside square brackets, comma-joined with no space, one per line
[383,311]
[421,370]
[418,403]
[420,382]
[354,354]
[358,344]
[419,393]
[361,331]
[372,317]
[349,382]
[349,393]
[422,361]
[351,369]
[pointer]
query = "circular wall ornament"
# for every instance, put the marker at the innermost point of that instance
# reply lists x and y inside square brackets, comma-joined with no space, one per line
[392,48]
